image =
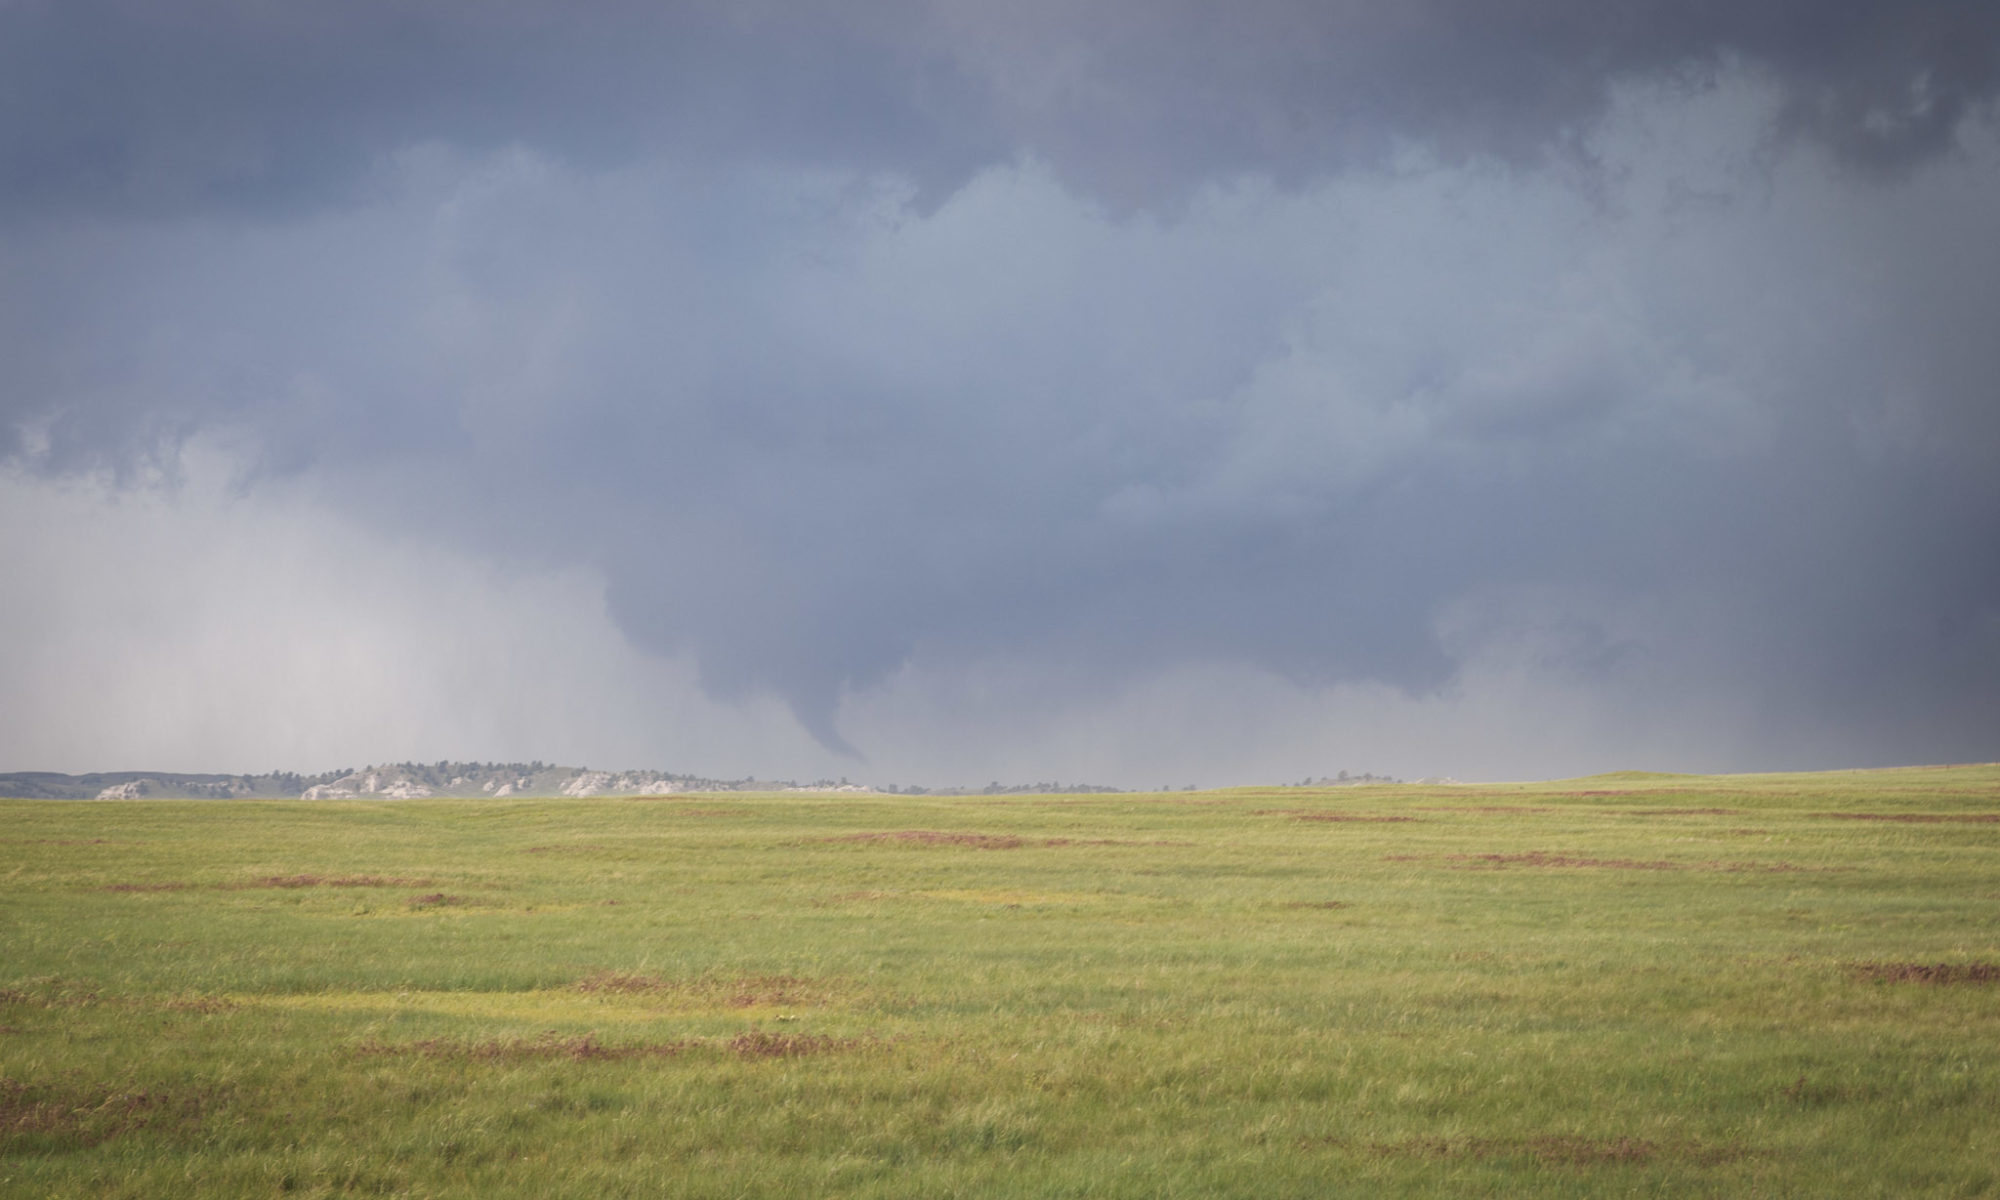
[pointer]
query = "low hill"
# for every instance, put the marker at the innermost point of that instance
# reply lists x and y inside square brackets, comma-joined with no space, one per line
[392,781]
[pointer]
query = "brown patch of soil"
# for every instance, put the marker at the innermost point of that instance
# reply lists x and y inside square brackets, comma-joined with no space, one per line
[752,1044]
[79,1117]
[338,881]
[1108,842]
[199,1004]
[1301,814]
[758,1044]
[279,881]
[434,900]
[1542,858]
[52,993]
[622,983]
[1490,809]
[551,1045]
[1929,972]
[1328,904]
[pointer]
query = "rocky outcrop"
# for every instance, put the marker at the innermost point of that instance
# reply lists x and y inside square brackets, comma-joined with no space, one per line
[166,787]
[406,781]
[387,784]
[590,783]
[411,781]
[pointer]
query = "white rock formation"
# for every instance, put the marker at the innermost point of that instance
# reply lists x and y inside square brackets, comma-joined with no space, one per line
[590,783]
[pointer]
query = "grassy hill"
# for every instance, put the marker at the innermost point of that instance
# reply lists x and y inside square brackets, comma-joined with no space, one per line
[1773,985]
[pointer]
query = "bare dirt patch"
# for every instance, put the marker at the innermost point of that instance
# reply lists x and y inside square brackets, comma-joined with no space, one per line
[199,1004]
[1544,858]
[622,983]
[434,900]
[67,1116]
[278,881]
[1486,809]
[546,1046]
[334,881]
[752,1044]
[1307,814]
[52,992]
[1906,972]
[758,1043]
[287,883]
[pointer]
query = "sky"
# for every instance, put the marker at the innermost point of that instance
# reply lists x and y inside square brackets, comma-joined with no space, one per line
[1146,392]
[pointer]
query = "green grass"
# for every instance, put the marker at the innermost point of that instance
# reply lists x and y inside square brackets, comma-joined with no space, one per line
[1635,984]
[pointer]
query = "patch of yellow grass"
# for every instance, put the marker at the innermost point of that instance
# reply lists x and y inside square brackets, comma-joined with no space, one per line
[1008,897]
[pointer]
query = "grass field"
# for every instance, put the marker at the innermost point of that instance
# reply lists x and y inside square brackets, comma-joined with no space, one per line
[1779,985]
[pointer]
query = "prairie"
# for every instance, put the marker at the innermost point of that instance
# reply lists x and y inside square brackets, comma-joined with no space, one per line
[1769,985]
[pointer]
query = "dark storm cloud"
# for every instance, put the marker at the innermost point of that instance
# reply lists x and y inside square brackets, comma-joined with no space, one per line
[247,107]
[122,104]
[848,339]
[1136,96]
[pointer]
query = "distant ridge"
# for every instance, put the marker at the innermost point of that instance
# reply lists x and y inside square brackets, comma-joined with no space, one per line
[53,785]
[389,781]
[412,781]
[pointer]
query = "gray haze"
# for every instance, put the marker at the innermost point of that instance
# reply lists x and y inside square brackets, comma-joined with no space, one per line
[933,392]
